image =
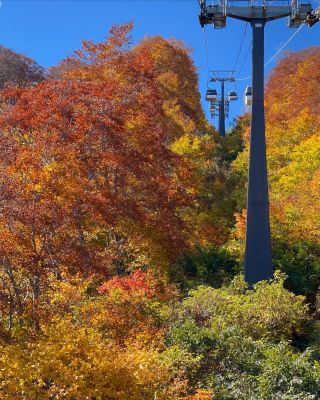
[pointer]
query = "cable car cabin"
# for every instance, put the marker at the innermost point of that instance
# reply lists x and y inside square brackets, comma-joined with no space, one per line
[211,95]
[232,96]
[248,96]
[212,109]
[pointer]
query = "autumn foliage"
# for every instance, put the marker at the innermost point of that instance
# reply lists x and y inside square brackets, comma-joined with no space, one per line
[294,145]
[88,180]
[122,226]
[292,121]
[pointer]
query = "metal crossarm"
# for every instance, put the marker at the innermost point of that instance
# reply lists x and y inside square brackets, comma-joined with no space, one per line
[217,12]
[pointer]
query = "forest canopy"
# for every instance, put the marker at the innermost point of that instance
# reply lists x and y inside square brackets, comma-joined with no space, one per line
[122,231]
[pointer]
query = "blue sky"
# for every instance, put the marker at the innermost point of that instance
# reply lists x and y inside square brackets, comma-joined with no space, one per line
[49,30]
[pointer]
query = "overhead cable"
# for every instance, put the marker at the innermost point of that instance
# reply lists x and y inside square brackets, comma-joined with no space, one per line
[206,50]
[241,44]
[276,53]
[283,46]
[243,63]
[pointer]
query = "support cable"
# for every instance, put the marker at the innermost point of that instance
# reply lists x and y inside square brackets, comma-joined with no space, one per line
[243,63]
[241,44]
[276,53]
[206,51]
[283,46]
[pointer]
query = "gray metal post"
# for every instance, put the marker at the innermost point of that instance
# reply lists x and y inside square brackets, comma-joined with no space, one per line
[222,125]
[258,258]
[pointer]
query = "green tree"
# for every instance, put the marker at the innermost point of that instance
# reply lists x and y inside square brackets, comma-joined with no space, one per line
[241,342]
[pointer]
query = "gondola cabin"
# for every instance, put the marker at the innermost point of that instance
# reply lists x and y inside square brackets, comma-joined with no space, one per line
[248,96]
[212,108]
[211,95]
[232,96]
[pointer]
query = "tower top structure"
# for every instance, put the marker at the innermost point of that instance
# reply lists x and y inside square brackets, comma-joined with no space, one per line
[297,12]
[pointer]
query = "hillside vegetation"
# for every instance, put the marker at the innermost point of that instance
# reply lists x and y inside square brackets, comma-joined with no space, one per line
[122,232]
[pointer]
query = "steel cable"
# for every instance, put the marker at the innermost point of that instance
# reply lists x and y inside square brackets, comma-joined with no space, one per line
[275,54]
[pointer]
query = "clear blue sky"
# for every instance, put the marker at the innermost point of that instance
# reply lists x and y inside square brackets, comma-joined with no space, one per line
[49,30]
